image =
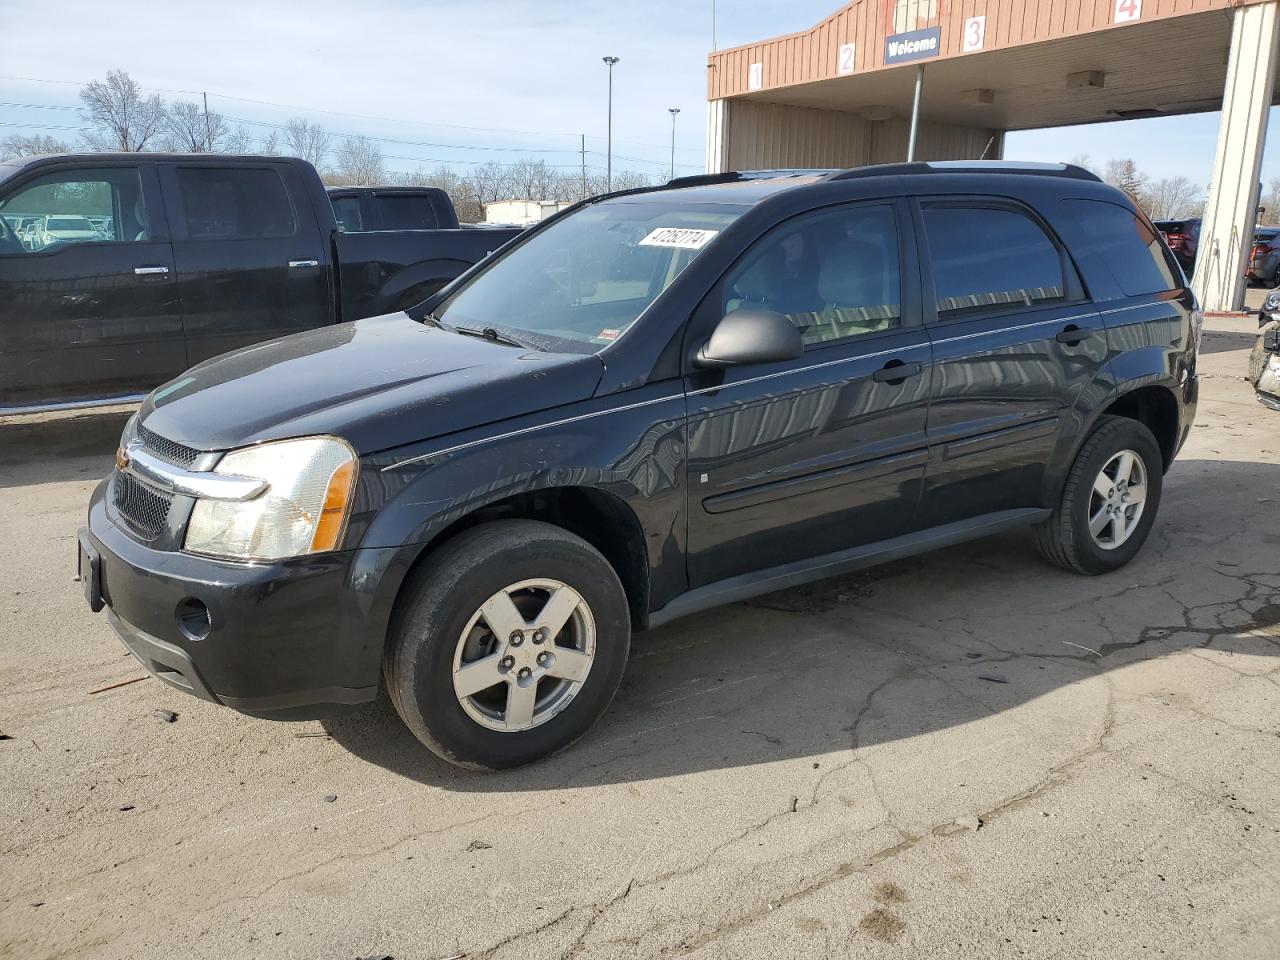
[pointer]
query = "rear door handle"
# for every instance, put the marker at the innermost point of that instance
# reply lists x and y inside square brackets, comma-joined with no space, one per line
[1072,334]
[303,264]
[151,271]
[895,371]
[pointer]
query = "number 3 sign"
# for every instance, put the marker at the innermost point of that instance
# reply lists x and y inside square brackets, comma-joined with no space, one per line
[975,34]
[1127,10]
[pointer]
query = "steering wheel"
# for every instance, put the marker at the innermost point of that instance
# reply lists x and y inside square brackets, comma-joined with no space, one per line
[8,242]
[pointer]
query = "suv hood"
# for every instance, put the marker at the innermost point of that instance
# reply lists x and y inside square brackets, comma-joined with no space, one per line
[378,383]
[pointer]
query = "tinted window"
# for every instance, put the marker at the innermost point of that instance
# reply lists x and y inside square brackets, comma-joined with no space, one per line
[990,257]
[347,212]
[406,213]
[235,204]
[74,206]
[1130,247]
[833,274]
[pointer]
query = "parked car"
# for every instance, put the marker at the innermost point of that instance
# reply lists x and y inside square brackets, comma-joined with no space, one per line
[1264,359]
[1183,238]
[204,254]
[660,401]
[1264,257]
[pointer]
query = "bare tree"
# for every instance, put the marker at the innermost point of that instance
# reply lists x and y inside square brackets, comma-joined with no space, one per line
[269,145]
[16,146]
[307,140]
[187,129]
[1125,175]
[1083,160]
[1169,199]
[121,117]
[1271,200]
[359,161]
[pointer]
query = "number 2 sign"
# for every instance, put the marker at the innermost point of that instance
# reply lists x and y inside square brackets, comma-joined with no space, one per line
[975,34]
[848,59]
[1127,10]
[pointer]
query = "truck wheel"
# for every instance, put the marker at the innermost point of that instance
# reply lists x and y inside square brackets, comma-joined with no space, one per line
[507,644]
[1109,502]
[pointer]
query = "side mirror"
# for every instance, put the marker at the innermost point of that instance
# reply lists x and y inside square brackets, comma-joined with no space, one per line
[751,335]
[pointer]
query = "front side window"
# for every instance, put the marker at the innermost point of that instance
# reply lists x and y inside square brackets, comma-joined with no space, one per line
[834,274]
[988,258]
[1130,246]
[580,283]
[235,203]
[74,206]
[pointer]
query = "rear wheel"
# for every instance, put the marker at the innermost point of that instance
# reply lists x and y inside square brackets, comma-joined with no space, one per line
[1109,501]
[508,645]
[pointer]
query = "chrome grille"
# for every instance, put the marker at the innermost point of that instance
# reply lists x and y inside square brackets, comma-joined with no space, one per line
[144,508]
[166,449]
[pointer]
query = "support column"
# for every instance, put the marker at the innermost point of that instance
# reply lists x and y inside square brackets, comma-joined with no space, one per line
[717,136]
[1231,210]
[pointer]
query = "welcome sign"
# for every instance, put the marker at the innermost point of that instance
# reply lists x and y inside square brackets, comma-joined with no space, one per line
[916,45]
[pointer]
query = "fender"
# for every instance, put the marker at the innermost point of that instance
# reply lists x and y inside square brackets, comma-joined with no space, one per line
[633,452]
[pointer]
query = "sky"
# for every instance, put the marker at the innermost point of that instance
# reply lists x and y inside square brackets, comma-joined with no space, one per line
[466,81]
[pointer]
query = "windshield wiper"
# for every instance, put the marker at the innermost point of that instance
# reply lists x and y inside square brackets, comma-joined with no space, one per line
[489,333]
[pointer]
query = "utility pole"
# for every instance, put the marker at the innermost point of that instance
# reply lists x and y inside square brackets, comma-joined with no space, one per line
[673,111]
[610,61]
[584,167]
[208,130]
[713,26]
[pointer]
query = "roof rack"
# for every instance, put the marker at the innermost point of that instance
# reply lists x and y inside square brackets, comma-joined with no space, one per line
[737,176]
[968,166]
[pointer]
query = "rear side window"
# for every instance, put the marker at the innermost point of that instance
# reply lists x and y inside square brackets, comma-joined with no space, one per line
[407,213]
[990,257]
[1130,247]
[346,210]
[242,203]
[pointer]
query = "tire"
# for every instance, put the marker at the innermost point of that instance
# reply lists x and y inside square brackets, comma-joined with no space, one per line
[1065,538]
[448,596]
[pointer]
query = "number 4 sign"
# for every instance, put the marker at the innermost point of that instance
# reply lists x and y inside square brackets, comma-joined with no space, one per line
[975,34]
[1127,10]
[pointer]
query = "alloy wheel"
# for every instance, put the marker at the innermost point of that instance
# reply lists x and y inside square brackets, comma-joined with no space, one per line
[1118,498]
[524,655]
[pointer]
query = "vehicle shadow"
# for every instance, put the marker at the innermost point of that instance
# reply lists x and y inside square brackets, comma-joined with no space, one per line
[1225,341]
[33,452]
[923,645]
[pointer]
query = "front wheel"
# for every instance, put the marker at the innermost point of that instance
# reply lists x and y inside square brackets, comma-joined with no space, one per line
[508,644]
[1109,501]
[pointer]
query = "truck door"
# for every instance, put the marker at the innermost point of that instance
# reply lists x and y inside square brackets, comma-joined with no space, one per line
[252,262]
[86,314]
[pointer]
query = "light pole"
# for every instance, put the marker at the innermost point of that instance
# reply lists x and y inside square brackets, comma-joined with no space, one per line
[673,111]
[609,155]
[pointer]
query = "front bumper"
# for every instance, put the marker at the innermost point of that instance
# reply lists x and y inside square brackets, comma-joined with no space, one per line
[286,640]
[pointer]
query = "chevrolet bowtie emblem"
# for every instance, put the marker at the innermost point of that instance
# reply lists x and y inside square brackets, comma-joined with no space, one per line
[122,458]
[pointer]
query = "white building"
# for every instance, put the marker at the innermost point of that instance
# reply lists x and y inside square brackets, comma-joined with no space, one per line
[522,212]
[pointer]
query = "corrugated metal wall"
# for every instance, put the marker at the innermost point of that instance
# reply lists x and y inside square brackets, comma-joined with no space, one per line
[767,135]
[812,55]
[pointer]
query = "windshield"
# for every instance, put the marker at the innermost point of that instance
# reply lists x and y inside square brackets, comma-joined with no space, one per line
[580,284]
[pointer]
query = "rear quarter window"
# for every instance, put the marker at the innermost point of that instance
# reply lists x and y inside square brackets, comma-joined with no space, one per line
[1131,248]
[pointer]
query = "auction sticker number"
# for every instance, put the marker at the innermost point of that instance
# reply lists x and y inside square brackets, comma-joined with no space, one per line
[975,34]
[848,58]
[684,238]
[1127,10]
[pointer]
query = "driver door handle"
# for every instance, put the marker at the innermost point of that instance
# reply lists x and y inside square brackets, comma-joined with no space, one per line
[1071,334]
[895,371]
[151,271]
[303,264]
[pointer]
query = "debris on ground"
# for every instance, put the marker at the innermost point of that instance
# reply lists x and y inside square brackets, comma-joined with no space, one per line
[475,845]
[126,808]
[993,677]
[4,736]
[331,798]
[795,802]
[973,655]
[122,683]
[313,734]
[970,823]
[168,716]
[380,956]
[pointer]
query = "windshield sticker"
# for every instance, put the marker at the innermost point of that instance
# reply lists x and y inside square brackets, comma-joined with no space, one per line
[607,335]
[683,238]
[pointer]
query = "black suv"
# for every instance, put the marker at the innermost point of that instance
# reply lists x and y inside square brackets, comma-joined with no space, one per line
[658,401]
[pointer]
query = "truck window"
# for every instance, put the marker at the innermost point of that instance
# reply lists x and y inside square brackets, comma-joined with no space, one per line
[988,258]
[235,203]
[406,213]
[346,210]
[834,275]
[75,206]
[1129,245]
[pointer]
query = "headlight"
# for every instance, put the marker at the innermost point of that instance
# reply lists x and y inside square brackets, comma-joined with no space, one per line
[304,509]
[1272,302]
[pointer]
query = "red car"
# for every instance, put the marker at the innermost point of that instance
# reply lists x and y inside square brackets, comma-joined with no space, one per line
[1183,237]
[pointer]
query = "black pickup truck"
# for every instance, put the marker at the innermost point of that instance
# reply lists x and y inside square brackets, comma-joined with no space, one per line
[119,271]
